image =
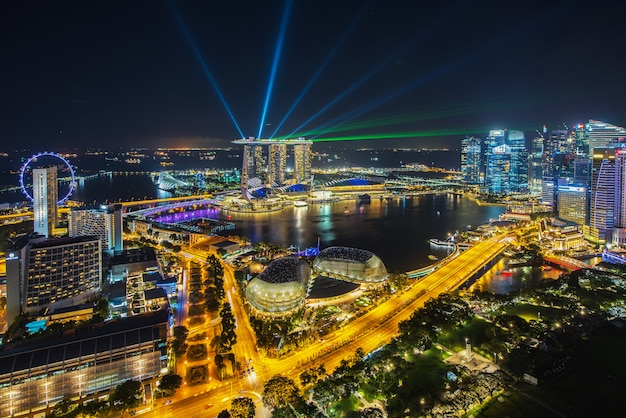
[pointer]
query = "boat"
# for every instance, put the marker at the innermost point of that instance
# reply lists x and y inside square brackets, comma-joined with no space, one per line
[507,272]
[432,257]
[300,203]
[547,268]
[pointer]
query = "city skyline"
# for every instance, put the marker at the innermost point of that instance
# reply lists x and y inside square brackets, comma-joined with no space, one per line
[183,74]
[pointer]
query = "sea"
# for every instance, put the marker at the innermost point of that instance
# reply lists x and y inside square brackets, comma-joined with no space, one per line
[397,230]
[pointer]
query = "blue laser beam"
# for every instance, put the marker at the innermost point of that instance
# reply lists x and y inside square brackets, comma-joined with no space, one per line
[277,54]
[204,66]
[349,29]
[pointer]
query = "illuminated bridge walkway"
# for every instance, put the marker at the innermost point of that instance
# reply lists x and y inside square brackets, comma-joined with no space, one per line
[567,262]
[423,271]
[175,206]
[408,181]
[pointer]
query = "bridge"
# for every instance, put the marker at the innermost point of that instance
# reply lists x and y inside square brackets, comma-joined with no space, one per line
[423,271]
[613,257]
[566,262]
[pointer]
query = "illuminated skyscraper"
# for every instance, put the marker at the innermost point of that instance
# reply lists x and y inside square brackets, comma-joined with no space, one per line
[506,162]
[535,169]
[499,169]
[471,161]
[519,161]
[302,162]
[45,200]
[556,147]
[603,135]
[620,188]
[277,164]
[494,162]
[602,194]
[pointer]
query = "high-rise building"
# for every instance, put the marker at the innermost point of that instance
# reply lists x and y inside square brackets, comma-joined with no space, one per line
[104,221]
[506,162]
[602,194]
[535,168]
[45,200]
[599,134]
[572,203]
[519,161]
[277,164]
[302,162]
[557,145]
[52,273]
[498,178]
[619,213]
[471,160]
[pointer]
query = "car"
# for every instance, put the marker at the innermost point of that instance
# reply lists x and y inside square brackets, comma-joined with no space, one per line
[207,406]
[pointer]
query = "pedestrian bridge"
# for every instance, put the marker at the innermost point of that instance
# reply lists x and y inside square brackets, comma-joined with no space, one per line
[566,262]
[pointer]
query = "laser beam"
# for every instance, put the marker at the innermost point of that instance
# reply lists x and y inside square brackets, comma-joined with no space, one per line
[349,29]
[204,66]
[277,53]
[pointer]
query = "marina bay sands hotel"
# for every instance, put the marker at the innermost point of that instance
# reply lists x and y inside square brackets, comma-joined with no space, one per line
[265,162]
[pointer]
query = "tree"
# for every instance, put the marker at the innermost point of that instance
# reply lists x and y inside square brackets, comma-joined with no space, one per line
[181,332]
[127,394]
[228,338]
[242,407]
[64,408]
[180,340]
[280,392]
[223,414]
[372,413]
[169,384]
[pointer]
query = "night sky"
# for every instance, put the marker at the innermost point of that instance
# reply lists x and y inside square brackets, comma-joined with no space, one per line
[144,73]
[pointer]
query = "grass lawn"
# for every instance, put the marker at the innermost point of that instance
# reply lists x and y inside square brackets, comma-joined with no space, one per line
[474,330]
[512,405]
[545,313]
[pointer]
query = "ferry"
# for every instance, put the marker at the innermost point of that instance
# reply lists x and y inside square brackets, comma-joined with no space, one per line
[433,257]
[300,203]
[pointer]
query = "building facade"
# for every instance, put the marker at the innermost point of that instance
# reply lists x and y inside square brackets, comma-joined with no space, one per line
[45,200]
[471,160]
[602,194]
[104,221]
[52,273]
[82,363]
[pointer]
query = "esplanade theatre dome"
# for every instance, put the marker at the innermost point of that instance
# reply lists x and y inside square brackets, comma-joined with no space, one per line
[282,287]
[350,264]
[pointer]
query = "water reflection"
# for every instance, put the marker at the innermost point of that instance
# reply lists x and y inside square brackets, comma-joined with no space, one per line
[503,279]
[397,230]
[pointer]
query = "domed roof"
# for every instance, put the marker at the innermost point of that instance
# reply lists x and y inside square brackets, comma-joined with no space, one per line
[345,253]
[283,270]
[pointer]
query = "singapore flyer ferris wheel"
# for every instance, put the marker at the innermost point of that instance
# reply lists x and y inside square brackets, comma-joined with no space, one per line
[66,176]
